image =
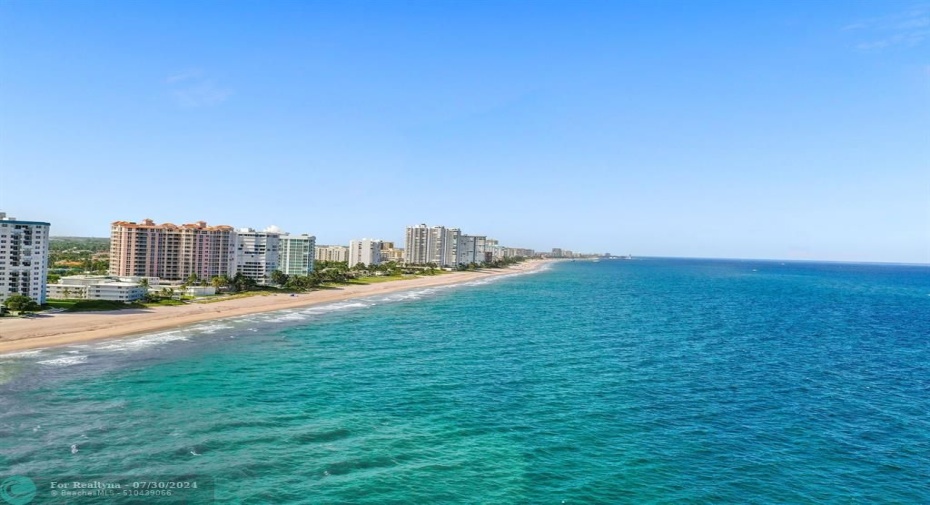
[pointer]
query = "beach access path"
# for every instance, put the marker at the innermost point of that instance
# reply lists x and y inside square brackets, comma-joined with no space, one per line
[63,328]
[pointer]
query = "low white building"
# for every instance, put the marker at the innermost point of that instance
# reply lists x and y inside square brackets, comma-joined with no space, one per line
[116,291]
[200,291]
[96,287]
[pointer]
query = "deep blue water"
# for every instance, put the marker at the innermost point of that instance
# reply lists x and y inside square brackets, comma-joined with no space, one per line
[645,381]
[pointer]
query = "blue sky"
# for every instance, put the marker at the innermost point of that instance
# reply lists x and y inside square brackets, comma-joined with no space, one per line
[778,129]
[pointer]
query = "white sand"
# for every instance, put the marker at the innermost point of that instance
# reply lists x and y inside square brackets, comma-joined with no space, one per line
[47,330]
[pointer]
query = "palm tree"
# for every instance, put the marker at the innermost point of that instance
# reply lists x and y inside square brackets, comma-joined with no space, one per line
[243,283]
[219,281]
[278,277]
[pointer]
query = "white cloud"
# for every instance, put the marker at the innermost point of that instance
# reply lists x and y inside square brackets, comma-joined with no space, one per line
[192,88]
[905,29]
[184,76]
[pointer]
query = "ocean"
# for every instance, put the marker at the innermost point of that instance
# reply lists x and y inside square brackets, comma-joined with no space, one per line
[643,381]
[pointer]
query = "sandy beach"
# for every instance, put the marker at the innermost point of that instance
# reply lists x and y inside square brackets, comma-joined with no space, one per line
[48,330]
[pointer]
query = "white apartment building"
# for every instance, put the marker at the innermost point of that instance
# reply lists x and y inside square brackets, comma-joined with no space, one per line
[432,245]
[493,250]
[297,254]
[450,249]
[169,251]
[257,254]
[365,251]
[471,249]
[444,246]
[437,245]
[23,258]
[417,245]
[97,287]
[513,252]
[332,253]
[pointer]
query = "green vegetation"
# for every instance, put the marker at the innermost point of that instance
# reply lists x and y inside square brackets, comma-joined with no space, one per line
[328,274]
[60,304]
[21,303]
[99,305]
[242,283]
[91,305]
[504,262]
[77,255]
[163,302]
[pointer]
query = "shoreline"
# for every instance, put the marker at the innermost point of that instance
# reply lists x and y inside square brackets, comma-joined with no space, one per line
[65,328]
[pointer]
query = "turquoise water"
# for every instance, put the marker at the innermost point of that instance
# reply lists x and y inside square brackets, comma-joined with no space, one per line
[646,381]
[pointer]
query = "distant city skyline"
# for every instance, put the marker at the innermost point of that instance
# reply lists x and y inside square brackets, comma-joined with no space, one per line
[769,130]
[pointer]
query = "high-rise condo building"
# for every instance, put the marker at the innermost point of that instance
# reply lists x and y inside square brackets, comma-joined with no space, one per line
[417,245]
[169,251]
[297,254]
[365,251]
[23,258]
[512,252]
[440,245]
[470,249]
[450,247]
[332,253]
[437,245]
[257,254]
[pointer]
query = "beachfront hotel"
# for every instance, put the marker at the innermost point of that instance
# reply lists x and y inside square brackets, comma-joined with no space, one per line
[297,254]
[23,258]
[169,251]
[365,251]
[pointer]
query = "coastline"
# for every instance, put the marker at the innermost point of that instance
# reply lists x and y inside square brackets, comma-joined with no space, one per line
[52,330]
